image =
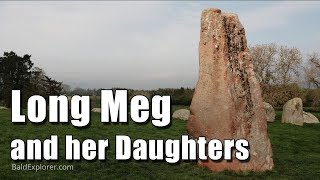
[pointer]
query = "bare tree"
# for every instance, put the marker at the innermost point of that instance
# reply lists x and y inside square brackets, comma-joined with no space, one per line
[287,65]
[274,64]
[312,70]
[264,60]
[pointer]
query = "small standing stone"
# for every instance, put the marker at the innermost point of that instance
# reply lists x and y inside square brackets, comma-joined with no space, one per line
[97,110]
[3,108]
[271,114]
[310,118]
[181,114]
[293,112]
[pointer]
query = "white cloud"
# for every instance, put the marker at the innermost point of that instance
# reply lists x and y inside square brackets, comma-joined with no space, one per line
[275,15]
[103,44]
[123,44]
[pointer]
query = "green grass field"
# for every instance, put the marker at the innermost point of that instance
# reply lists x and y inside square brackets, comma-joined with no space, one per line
[296,152]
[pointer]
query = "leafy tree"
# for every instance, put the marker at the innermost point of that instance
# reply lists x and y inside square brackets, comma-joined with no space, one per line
[15,73]
[52,87]
[43,85]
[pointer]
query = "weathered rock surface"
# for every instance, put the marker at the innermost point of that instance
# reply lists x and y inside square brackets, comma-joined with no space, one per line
[181,114]
[97,110]
[309,118]
[271,114]
[227,102]
[293,112]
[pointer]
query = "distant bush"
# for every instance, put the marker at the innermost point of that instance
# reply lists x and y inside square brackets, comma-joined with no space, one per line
[278,95]
[312,98]
[181,96]
[95,101]
[311,109]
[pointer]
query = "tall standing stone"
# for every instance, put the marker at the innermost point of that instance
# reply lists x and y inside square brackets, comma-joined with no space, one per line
[227,102]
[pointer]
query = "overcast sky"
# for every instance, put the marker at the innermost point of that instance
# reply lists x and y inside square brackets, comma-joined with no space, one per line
[140,45]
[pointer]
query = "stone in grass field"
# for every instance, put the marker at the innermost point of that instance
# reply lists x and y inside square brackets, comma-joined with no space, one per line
[227,102]
[97,110]
[309,118]
[3,108]
[182,114]
[271,114]
[293,112]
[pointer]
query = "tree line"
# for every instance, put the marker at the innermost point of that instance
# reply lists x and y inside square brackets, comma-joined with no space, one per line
[179,96]
[283,72]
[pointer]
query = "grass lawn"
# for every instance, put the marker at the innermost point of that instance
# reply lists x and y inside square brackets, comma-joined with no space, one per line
[296,152]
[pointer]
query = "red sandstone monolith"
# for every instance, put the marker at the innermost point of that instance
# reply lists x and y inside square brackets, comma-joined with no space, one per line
[227,102]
